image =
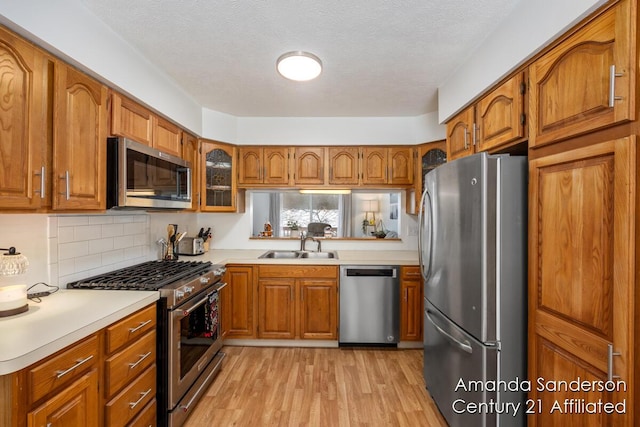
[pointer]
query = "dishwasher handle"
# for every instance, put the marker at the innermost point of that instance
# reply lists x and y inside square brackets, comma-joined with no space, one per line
[372,272]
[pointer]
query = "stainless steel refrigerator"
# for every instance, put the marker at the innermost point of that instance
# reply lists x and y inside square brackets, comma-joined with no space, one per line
[472,244]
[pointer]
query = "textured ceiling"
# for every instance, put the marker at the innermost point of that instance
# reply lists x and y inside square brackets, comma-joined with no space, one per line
[380,57]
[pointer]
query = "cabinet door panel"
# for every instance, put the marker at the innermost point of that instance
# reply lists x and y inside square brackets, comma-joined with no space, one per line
[167,137]
[500,115]
[131,120]
[570,86]
[400,166]
[276,299]
[80,141]
[250,164]
[276,164]
[318,309]
[77,405]
[218,178]
[460,134]
[343,165]
[309,167]
[22,123]
[374,165]
[581,275]
[238,303]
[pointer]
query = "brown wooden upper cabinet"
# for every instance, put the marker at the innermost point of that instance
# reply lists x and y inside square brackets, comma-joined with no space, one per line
[79,142]
[460,134]
[308,165]
[430,155]
[218,189]
[191,153]
[23,135]
[263,165]
[500,116]
[497,121]
[132,120]
[387,165]
[344,165]
[585,82]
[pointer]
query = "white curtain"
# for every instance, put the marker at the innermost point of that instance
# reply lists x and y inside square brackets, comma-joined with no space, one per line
[344,206]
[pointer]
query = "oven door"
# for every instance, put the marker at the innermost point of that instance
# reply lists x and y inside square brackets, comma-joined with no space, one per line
[194,339]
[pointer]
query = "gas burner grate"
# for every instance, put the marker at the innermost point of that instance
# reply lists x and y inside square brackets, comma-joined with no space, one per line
[150,275]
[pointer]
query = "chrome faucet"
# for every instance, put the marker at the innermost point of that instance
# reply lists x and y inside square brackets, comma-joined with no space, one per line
[303,241]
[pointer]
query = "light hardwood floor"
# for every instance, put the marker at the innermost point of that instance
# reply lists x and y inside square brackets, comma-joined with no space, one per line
[264,386]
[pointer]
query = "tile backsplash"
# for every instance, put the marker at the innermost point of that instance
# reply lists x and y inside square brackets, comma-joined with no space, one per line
[86,245]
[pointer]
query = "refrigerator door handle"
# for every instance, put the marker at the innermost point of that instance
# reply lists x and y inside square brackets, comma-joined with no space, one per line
[464,346]
[422,212]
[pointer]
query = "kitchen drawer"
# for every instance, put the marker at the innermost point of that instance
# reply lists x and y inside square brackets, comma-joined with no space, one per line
[410,272]
[53,374]
[294,271]
[130,401]
[125,366]
[146,418]
[130,328]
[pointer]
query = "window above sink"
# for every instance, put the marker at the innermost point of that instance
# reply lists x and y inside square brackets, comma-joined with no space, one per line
[360,214]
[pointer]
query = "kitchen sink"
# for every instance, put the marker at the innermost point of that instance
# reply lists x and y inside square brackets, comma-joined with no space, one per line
[298,254]
[280,254]
[323,255]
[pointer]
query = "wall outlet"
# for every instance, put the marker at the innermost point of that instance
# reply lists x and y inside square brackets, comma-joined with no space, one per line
[412,230]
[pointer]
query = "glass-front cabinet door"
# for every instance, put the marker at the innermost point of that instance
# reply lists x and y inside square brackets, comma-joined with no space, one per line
[219,192]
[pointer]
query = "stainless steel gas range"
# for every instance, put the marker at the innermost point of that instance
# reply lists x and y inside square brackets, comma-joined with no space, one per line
[189,336]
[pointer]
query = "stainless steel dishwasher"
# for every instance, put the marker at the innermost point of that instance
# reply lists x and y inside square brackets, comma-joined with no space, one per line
[369,305]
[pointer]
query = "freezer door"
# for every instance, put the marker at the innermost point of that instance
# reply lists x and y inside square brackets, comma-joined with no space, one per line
[451,356]
[457,242]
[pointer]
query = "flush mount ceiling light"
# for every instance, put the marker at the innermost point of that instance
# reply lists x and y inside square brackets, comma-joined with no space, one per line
[299,66]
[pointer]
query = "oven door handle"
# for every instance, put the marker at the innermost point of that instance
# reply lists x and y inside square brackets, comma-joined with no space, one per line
[222,285]
[185,313]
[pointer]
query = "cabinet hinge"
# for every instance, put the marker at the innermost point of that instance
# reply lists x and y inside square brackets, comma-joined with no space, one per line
[523,119]
[523,88]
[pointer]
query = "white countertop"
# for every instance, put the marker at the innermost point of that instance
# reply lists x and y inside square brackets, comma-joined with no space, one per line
[61,319]
[250,256]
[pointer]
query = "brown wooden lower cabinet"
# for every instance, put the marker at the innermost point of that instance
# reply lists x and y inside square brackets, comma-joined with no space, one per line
[297,302]
[582,257]
[411,296]
[238,310]
[105,379]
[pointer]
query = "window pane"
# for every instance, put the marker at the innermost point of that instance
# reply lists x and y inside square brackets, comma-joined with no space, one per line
[306,208]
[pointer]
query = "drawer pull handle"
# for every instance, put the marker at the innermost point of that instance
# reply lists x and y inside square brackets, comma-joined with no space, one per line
[141,325]
[142,357]
[60,374]
[143,394]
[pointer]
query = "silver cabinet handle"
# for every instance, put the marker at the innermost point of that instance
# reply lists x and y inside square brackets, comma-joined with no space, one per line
[143,394]
[464,346]
[466,142]
[612,86]
[142,357]
[475,129]
[60,374]
[137,328]
[66,185]
[42,178]
[610,354]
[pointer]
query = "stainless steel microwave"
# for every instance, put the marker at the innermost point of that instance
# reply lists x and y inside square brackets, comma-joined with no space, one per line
[139,176]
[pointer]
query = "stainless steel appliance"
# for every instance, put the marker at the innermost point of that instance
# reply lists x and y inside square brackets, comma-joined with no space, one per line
[189,337]
[139,176]
[191,246]
[472,245]
[369,305]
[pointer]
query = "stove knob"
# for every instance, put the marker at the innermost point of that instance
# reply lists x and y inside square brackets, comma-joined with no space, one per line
[188,289]
[204,280]
[179,295]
